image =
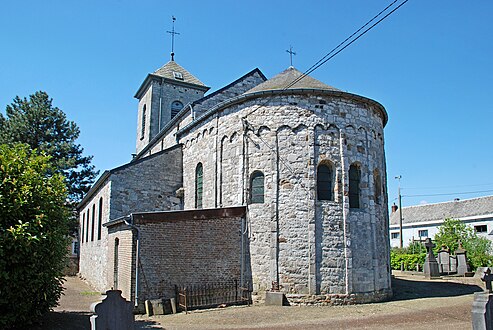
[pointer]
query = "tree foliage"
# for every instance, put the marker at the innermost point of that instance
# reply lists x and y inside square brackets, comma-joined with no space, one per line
[479,249]
[36,122]
[33,228]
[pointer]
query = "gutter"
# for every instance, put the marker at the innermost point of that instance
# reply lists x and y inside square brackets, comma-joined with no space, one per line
[129,221]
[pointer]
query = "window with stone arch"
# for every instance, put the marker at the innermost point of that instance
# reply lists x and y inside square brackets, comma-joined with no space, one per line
[82,229]
[143,123]
[100,217]
[325,181]
[377,186]
[257,189]
[93,221]
[354,186]
[199,189]
[176,106]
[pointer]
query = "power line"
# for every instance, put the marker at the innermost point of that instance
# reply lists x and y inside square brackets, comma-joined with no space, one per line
[445,187]
[334,51]
[449,194]
[329,55]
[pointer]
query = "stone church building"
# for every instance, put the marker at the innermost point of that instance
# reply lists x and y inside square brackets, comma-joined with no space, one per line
[275,182]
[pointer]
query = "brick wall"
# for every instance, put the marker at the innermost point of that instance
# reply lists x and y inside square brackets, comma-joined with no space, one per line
[176,248]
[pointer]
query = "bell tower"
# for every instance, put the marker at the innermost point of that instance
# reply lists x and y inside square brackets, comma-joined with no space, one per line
[162,95]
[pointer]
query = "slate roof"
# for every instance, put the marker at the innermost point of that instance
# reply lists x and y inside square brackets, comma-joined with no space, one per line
[285,78]
[436,212]
[167,70]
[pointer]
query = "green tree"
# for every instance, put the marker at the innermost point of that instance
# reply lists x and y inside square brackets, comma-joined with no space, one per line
[36,122]
[33,227]
[479,249]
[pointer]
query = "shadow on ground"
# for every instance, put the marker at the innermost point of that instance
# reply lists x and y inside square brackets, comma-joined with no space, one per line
[408,289]
[80,321]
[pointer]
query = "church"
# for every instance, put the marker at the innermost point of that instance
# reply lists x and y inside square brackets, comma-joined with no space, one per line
[277,183]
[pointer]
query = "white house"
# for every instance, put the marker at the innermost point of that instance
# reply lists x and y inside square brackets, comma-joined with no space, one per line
[422,221]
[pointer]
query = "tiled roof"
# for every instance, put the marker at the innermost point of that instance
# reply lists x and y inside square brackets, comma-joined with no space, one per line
[167,70]
[440,211]
[285,78]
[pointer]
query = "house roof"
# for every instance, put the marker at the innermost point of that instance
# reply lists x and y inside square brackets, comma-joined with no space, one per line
[286,78]
[167,71]
[435,212]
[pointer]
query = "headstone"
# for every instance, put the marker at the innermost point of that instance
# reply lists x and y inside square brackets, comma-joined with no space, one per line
[113,313]
[444,261]
[462,266]
[487,278]
[482,311]
[430,268]
[453,264]
[172,302]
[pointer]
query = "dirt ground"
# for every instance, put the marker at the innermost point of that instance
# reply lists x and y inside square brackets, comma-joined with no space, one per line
[417,304]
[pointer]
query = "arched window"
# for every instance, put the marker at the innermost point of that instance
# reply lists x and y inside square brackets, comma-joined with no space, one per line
[82,229]
[93,221]
[199,173]
[257,188]
[354,186]
[143,123]
[377,186]
[325,177]
[176,106]
[100,217]
[87,225]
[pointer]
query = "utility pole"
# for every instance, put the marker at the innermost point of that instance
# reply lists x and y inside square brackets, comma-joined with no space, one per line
[399,177]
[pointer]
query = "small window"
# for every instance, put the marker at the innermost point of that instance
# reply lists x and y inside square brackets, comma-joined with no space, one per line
[423,233]
[257,188]
[87,225]
[176,106]
[354,186]
[100,217]
[324,183]
[377,185]
[82,231]
[394,235]
[199,172]
[143,124]
[93,221]
[481,228]
[177,75]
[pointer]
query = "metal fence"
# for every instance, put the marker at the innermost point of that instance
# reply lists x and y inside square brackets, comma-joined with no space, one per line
[212,295]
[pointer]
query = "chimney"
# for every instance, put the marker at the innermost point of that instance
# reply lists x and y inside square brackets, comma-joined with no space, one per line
[394,208]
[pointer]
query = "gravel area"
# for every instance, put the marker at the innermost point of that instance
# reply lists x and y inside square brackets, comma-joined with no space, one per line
[418,303]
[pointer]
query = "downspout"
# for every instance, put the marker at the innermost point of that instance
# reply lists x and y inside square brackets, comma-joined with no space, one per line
[137,255]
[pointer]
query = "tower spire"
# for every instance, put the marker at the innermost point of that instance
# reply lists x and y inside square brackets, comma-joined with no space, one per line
[173,33]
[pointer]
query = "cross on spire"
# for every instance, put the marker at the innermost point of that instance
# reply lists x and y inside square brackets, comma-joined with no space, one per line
[291,53]
[173,33]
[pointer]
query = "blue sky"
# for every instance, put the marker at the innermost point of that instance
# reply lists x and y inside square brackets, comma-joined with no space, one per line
[430,64]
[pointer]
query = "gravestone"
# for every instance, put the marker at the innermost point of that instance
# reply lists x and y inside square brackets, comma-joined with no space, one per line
[482,306]
[430,268]
[462,266]
[113,313]
[444,261]
[453,264]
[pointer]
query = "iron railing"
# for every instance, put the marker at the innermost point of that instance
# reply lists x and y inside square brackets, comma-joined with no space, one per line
[212,295]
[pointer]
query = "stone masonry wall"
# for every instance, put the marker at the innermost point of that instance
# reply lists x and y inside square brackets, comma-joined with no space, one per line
[147,185]
[202,105]
[93,256]
[309,246]
[158,99]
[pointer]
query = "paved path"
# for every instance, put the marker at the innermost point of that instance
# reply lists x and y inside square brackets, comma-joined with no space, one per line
[417,304]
